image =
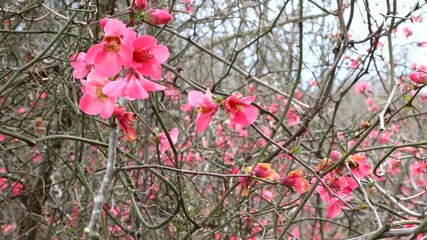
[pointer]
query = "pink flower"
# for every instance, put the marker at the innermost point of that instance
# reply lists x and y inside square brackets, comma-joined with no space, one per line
[109,56]
[263,170]
[293,119]
[267,194]
[362,87]
[359,166]
[17,189]
[3,183]
[140,5]
[147,56]
[335,155]
[81,67]
[157,17]
[188,6]
[163,141]
[94,101]
[296,181]
[240,109]
[407,32]
[133,86]
[205,108]
[334,208]
[418,77]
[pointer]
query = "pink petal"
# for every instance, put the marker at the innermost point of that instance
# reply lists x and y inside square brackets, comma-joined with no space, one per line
[125,54]
[202,122]
[174,135]
[80,73]
[247,116]
[161,53]
[129,36]
[135,90]
[156,71]
[115,88]
[352,183]
[151,86]
[114,27]
[334,208]
[109,105]
[324,195]
[196,99]
[144,42]
[248,100]
[108,64]
[93,52]
[91,105]
[77,60]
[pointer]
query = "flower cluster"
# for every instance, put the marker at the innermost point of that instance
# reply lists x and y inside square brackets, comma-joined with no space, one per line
[120,48]
[340,182]
[260,170]
[99,69]
[239,109]
[152,16]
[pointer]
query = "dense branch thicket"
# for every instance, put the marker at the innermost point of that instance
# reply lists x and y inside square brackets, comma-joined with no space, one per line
[337,149]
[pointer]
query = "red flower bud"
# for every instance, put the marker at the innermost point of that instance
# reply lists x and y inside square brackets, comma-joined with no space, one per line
[158,17]
[140,5]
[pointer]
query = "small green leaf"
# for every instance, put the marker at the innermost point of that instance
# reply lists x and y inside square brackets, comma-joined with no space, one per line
[407,97]
[297,150]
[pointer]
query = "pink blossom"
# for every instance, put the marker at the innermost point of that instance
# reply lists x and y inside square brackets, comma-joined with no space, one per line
[407,32]
[188,6]
[267,194]
[3,184]
[239,129]
[296,181]
[186,107]
[163,141]
[240,109]
[94,101]
[342,185]
[359,166]
[157,17]
[418,77]
[133,86]
[147,56]
[335,155]
[263,170]
[334,208]
[113,52]
[17,189]
[81,67]
[205,108]
[362,87]
[140,5]
[293,119]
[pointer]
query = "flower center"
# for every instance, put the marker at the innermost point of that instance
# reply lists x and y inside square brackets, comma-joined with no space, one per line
[236,104]
[112,44]
[142,55]
[100,94]
[203,110]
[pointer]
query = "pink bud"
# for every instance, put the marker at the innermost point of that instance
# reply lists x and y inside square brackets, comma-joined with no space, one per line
[140,5]
[158,17]
[418,77]
[335,155]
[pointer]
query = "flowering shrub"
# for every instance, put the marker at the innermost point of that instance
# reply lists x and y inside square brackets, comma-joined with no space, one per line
[206,119]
